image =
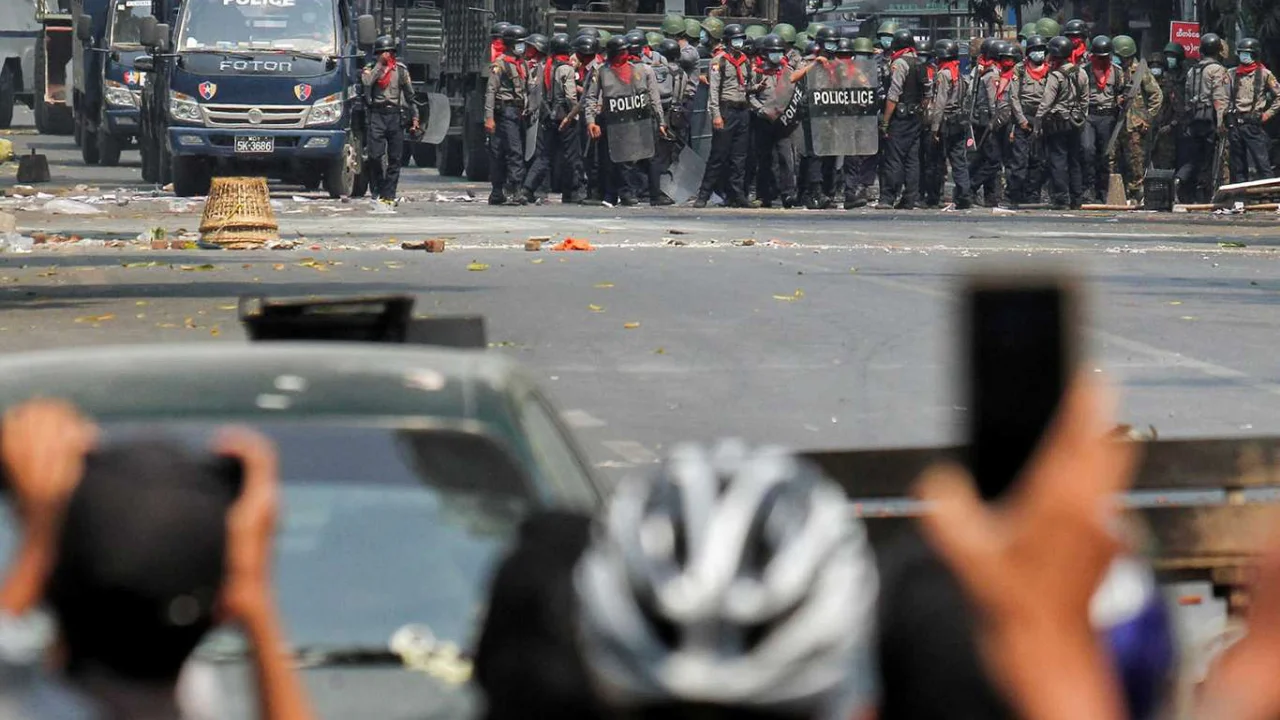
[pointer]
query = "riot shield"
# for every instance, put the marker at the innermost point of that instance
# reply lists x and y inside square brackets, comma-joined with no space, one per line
[629,127]
[785,109]
[531,138]
[683,178]
[840,100]
[437,120]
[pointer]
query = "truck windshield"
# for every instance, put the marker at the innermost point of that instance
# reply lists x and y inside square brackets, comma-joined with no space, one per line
[301,25]
[126,22]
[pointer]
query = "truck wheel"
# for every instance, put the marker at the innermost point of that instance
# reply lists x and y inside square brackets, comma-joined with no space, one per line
[51,118]
[77,135]
[37,96]
[190,177]
[449,158]
[8,91]
[477,155]
[149,173]
[361,186]
[340,174]
[424,155]
[89,150]
[108,147]
[164,165]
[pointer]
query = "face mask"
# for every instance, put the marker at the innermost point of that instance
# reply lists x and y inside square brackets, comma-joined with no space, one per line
[830,46]
[1023,43]
[1115,60]
[1246,57]
[1172,63]
[738,43]
[1036,56]
[885,42]
[702,36]
[1157,71]
[519,48]
[775,58]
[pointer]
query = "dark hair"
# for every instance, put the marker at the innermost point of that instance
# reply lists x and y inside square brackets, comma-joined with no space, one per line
[141,561]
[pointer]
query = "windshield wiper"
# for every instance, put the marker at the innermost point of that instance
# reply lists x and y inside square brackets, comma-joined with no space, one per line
[228,53]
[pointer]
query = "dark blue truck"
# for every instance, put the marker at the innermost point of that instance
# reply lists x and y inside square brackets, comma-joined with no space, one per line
[108,89]
[265,87]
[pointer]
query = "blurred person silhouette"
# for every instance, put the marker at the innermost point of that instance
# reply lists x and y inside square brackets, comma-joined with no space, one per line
[137,555]
[930,649]
[732,583]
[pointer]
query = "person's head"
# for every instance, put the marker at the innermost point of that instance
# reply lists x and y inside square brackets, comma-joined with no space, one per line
[1212,46]
[884,34]
[1174,56]
[844,48]
[1125,48]
[864,47]
[1077,31]
[827,41]
[924,49]
[513,40]
[1155,63]
[1037,49]
[986,52]
[812,48]
[1249,51]
[732,583]
[735,37]
[496,29]
[946,50]
[692,31]
[1026,32]
[559,45]
[1006,58]
[670,50]
[384,45]
[673,26]
[710,31]
[1060,49]
[617,49]
[536,46]
[141,561]
[635,42]
[903,40]
[586,47]
[787,32]
[773,49]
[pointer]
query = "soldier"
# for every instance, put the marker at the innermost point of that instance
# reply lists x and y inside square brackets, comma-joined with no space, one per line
[388,89]
[1142,105]
[689,42]
[1255,98]
[728,78]
[624,94]
[995,141]
[676,91]
[1062,114]
[1208,90]
[673,26]
[1106,90]
[505,106]
[884,36]
[1167,67]
[788,34]
[1025,34]
[710,33]
[900,127]
[1077,31]
[948,121]
[559,145]
[1048,28]
[769,95]
[1026,159]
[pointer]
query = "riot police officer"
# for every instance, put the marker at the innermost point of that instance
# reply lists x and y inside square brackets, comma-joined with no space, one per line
[1255,98]
[1026,157]
[728,79]
[388,92]
[1061,116]
[901,125]
[1077,31]
[1143,102]
[559,153]
[770,95]
[505,106]
[676,90]
[624,95]
[1208,91]
[994,143]
[1106,91]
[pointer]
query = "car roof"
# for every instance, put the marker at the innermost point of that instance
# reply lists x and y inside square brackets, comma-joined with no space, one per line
[264,380]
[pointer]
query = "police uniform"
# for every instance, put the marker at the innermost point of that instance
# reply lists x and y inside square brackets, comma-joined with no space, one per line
[676,90]
[386,99]
[933,163]
[728,79]
[612,80]
[1255,97]
[559,153]
[774,138]
[1138,115]
[994,145]
[1026,156]
[1208,89]
[585,70]
[1062,114]
[901,155]
[983,110]
[505,103]
[949,125]
[1105,93]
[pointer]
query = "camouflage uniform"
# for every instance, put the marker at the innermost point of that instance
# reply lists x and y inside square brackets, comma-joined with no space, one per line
[1139,112]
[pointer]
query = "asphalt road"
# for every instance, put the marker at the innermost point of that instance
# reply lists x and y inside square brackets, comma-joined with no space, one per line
[832,330]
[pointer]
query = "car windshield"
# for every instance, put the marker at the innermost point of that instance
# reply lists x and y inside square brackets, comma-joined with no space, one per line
[380,529]
[126,22]
[300,25]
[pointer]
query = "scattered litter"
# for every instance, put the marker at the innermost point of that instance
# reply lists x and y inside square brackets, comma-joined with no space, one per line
[198,268]
[949,207]
[431,245]
[631,325]
[675,241]
[1003,211]
[15,242]
[604,285]
[674,231]
[65,206]
[537,262]
[595,308]
[573,244]
[789,298]
[477,267]
[532,245]
[1180,208]
[96,318]
[1231,244]
[748,242]
[300,199]
[660,351]
[282,244]
[780,243]
[380,208]
[452,197]
[8,222]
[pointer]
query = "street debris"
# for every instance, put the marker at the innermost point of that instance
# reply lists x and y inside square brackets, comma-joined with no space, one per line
[603,285]
[748,242]
[67,206]
[477,267]
[282,244]
[675,231]
[573,244]
[596,308]
[630,325]
[790,298]
[675,241]
[532,245]
[431,245]
[1231,244]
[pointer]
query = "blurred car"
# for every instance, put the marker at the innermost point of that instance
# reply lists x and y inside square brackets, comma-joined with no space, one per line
[406,471]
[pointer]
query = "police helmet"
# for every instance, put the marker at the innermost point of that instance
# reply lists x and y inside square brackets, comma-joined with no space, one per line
[756,31]
[635,40]
[1101,45]
[801,40]
[669,49]
[586,45]
[1210,44]
[887,29]
[1124,46]
[1175,50]
[384,43]
[1001,49]
[1076,28]
[1060,48]
[986,50]
[813,29]
[811,48]
[903,39]
[786,31]
[616,47]
[653,39]
[771,43]
[946,49]
[844,47]
[732,31]
[538,41]
[924,48]
[1250,45]
[603,36]
[1027,31]
[1037,42]
[1015,51]
[863,46]
[673,24]
[1048,27]
[560,44]
[692,28]
[496,30]
[514,34]
[714,27]
[824,35]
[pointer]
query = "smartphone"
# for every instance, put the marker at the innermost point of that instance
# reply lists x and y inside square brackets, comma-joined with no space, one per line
[1021,341]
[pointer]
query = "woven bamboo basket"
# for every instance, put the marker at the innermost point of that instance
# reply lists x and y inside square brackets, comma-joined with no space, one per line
[238,214]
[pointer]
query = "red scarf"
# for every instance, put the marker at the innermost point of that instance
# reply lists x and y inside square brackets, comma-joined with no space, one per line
[899,53]
[384,79]
[495,50]
[1242,70]
[1105,77]
[950,67]
[737,64]
[930,71]
[581,70]
[1035,73]
[1006,77]
[1078,51]
[551,66]
[520,66]
[622,68]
